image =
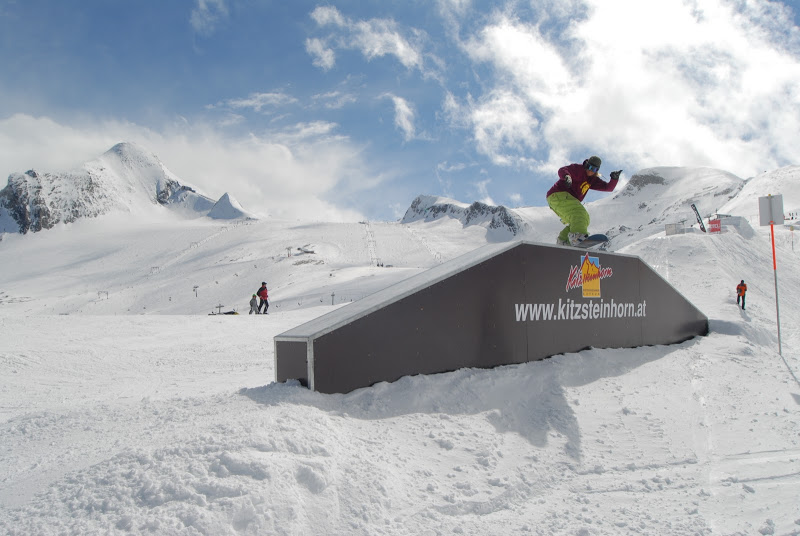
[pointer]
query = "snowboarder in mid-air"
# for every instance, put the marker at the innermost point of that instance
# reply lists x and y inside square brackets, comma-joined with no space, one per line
[565,197]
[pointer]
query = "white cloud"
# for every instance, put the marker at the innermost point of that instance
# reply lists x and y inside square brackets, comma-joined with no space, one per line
[653,83]
[258,102]
[334,100]
[453,111]
[373,38]
[376,38]
[328,15]
[504,128]
[524,59]
[458,7]
[449,168]
[205,17]
[302,133]
[43,144]
[482,188]
[403,116]
[324,57]
[288,173]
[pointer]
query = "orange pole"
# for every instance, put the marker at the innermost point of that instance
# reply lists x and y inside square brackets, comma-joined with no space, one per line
[775,271]
[772,232]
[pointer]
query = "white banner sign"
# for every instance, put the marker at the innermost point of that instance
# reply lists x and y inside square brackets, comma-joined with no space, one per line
[770,210]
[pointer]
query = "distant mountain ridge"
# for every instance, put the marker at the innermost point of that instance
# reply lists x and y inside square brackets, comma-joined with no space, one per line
[123,178]
[501,222]
[647,201]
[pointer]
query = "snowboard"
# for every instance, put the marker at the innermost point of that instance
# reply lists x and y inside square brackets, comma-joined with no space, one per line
[592,240]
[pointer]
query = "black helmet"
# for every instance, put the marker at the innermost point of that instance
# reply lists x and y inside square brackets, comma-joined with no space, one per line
[263,282]
[592,161]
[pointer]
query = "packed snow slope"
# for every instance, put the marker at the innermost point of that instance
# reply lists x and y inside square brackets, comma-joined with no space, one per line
[127,409]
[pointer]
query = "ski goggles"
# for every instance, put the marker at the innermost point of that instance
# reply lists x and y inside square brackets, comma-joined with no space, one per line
[593,168]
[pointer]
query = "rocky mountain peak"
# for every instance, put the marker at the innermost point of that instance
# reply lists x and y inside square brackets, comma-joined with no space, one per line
[499,221]
[124,178]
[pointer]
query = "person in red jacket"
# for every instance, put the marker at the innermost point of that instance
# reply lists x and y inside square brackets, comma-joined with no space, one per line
[263,295]
[565,197]
[741,290]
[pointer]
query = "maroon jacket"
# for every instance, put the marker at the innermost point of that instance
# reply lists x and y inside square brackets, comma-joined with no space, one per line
[262,293]
[581,182]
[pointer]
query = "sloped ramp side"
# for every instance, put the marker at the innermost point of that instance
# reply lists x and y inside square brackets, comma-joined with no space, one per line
[499,305]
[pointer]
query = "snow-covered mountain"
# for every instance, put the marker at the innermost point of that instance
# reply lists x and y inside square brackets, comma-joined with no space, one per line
[654,197]
[781,181]
[125,178]
[434,230]
[228,208]
[648,200]
[502,223]
[641,206]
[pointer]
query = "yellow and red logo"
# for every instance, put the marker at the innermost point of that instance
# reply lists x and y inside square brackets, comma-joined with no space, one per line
[587,275]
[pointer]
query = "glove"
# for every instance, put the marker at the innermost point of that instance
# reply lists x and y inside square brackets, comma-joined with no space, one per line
[568,180]
[615,175]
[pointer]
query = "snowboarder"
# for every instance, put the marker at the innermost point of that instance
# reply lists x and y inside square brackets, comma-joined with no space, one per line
[565,197]
[741,290]
[253,305]
[264,295]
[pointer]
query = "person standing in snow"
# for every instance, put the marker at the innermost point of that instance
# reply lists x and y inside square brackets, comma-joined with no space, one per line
[264,295]
[253,305]
[565,197]
[741,290]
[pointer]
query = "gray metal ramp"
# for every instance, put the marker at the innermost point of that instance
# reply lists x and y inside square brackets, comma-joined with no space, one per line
[500,304]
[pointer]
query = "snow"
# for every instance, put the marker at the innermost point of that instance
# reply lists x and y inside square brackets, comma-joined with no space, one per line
[126,408]
[228,208]
[775,182]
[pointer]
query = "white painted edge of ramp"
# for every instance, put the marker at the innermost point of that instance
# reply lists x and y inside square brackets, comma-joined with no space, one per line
[394,293]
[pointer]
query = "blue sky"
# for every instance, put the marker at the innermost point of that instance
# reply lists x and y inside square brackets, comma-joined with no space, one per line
[345,110]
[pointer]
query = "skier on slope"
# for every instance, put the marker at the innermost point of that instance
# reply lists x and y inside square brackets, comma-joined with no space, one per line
[565,197]
[264,295]
[741,290]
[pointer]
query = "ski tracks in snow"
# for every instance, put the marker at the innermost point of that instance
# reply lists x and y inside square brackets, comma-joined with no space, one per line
[736,424]
[421,239]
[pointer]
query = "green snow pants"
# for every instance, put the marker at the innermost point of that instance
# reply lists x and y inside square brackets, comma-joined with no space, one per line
[571,212]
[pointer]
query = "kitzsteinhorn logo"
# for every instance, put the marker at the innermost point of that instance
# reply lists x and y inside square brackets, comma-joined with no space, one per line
[587,275]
